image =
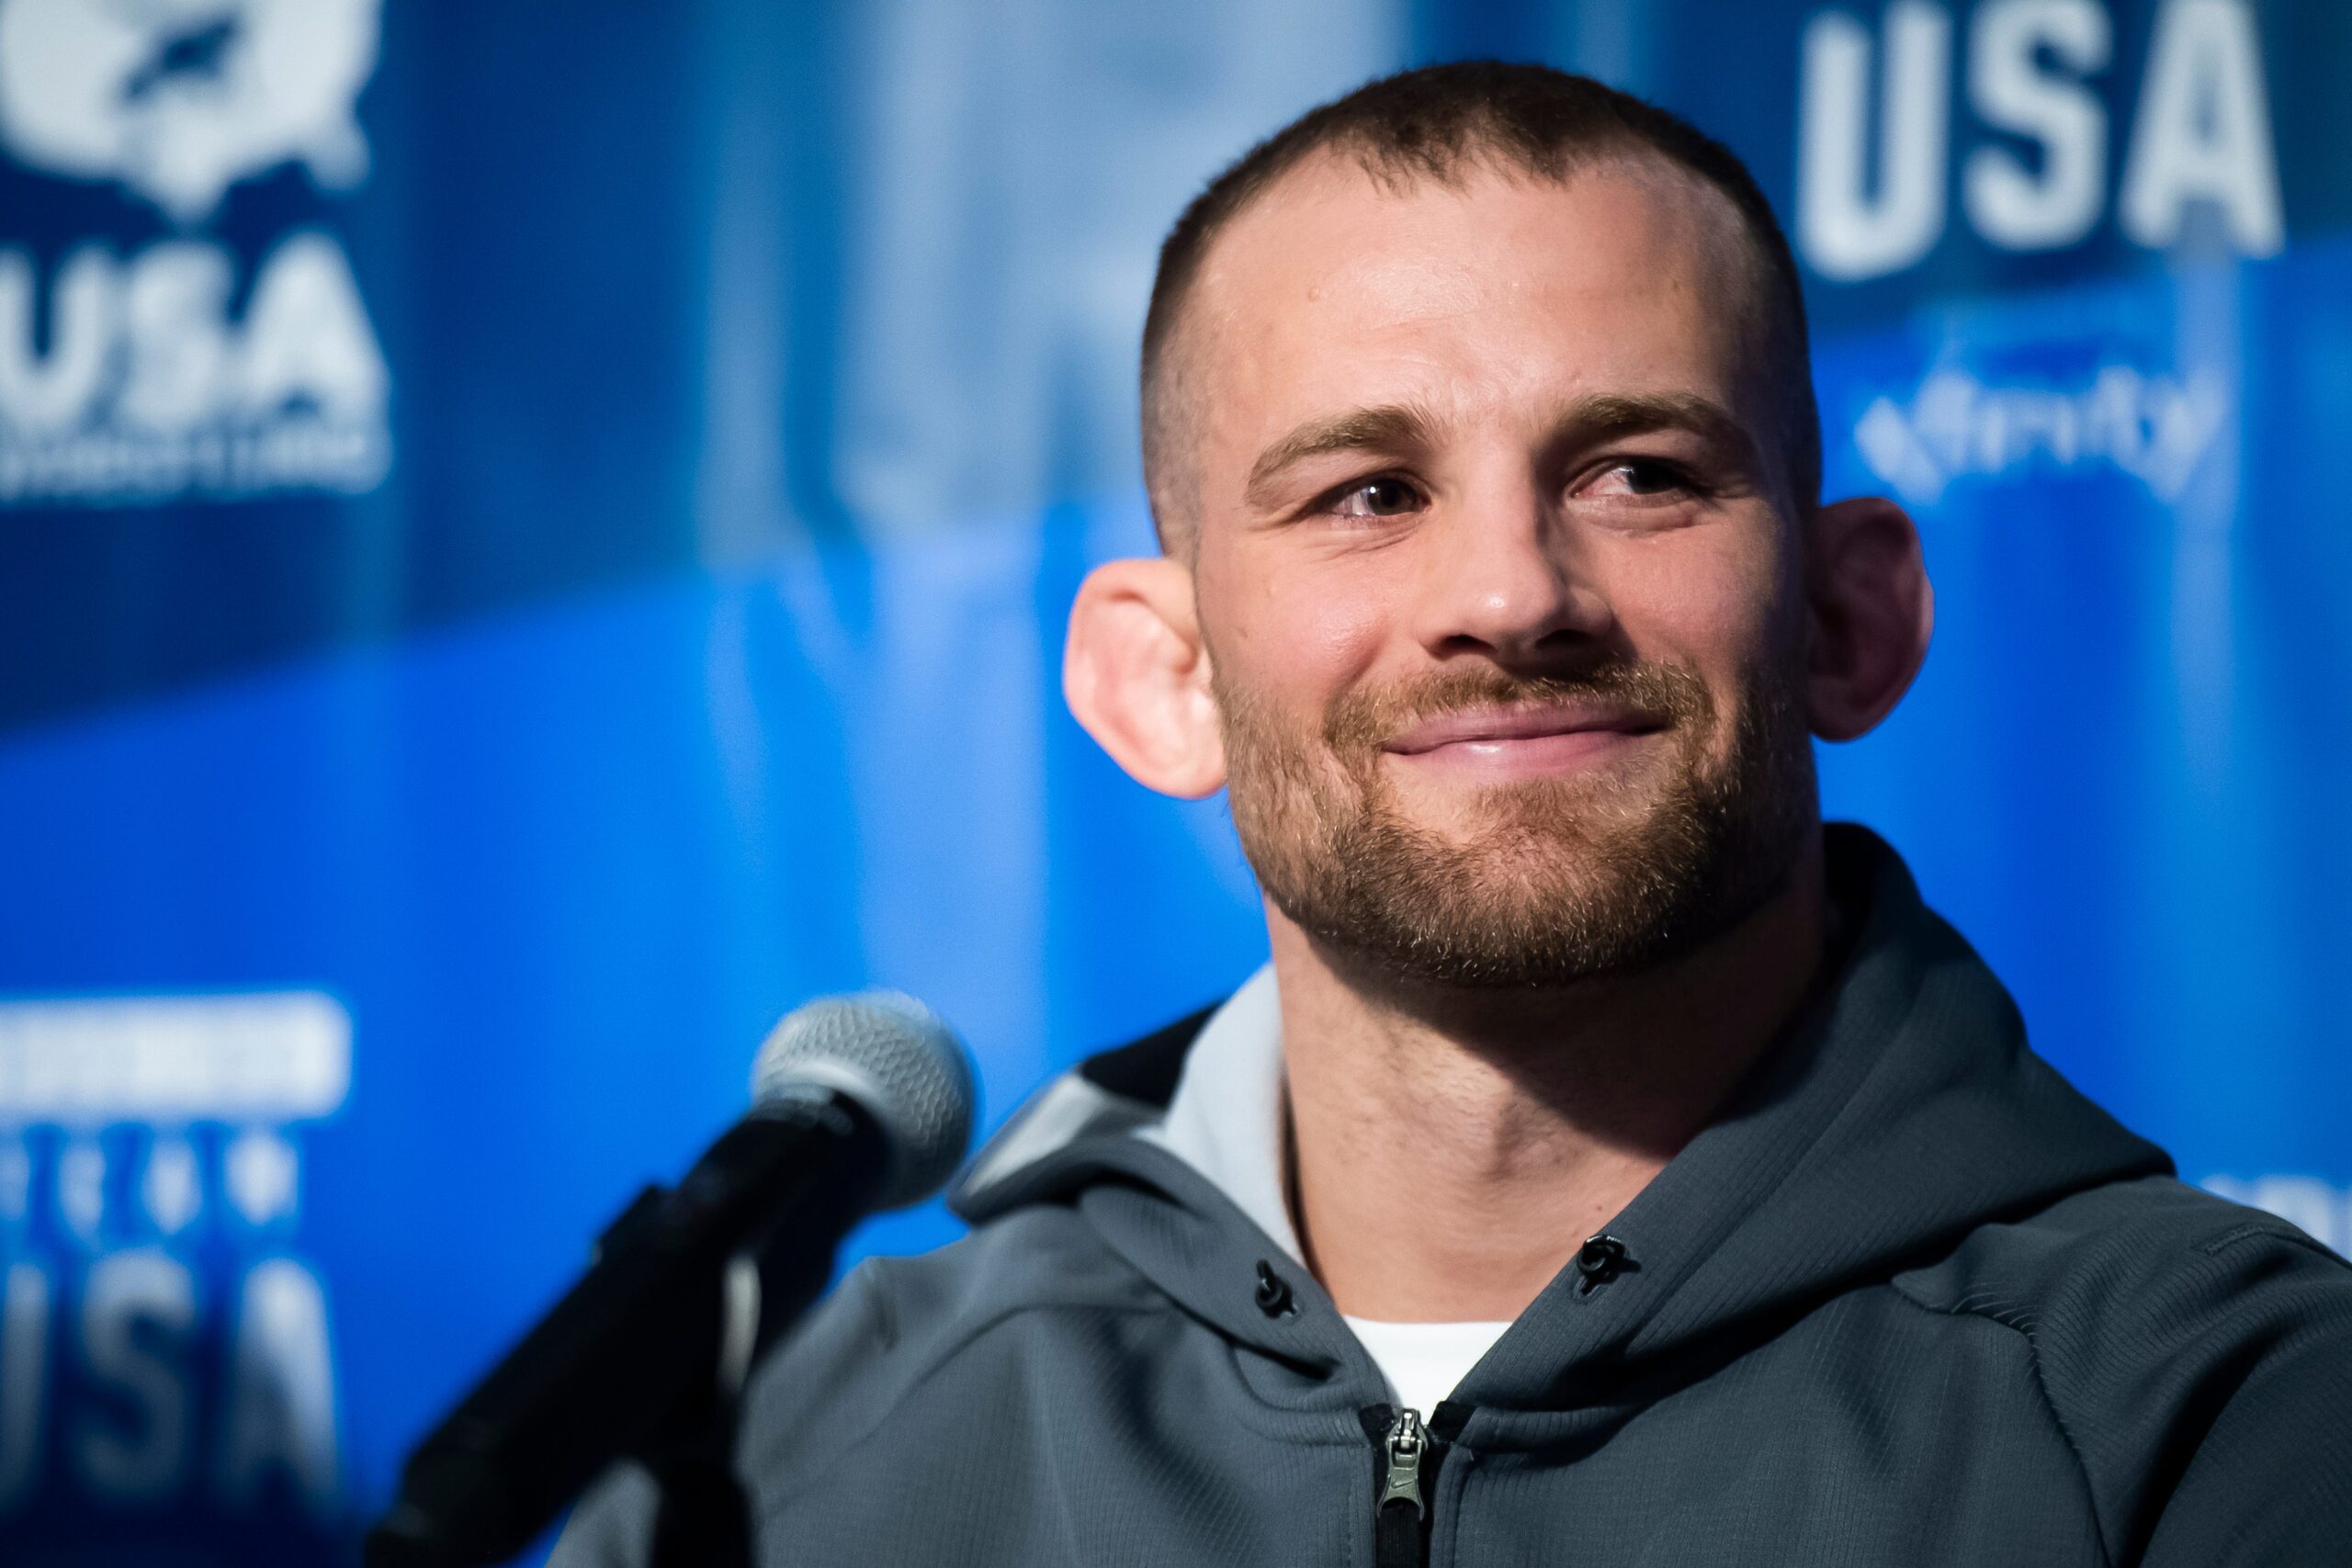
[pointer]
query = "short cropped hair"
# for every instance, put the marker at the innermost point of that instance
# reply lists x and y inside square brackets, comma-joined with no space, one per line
[1431,124]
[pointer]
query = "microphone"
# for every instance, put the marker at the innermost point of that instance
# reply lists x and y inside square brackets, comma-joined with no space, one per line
[858,1102]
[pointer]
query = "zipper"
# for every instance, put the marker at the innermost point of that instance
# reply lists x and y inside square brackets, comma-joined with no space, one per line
[1400,1512]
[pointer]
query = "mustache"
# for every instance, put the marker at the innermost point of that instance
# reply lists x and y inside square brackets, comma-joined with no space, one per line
[1362,722]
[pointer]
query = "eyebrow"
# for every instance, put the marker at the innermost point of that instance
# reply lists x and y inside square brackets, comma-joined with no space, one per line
[1394,427]
[1621,414]
[1400,428]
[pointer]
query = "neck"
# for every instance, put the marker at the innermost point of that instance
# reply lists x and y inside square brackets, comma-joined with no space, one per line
[1451,1148]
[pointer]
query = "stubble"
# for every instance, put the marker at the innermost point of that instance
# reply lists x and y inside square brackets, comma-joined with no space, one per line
[1542,882]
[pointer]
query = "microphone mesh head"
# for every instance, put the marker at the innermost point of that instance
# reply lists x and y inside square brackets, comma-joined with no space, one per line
[898,1060]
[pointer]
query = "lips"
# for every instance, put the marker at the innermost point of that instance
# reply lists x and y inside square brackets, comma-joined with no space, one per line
[1506,727]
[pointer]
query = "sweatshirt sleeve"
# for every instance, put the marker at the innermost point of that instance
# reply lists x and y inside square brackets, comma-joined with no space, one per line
[2263,1445]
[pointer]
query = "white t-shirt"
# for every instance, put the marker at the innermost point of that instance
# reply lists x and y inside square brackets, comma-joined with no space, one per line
[1425,1362]
[1226,1121]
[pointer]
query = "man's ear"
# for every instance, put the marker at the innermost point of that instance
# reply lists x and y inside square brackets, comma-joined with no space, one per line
[1137,676]
[1872,611]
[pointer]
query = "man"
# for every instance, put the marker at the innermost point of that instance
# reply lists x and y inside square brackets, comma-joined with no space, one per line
[1613,1165]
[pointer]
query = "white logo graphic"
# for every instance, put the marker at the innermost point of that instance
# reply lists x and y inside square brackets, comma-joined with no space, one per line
[2197,152]
[180,99]
[151,388]
[146,1107]
[2152,427]
[136,378]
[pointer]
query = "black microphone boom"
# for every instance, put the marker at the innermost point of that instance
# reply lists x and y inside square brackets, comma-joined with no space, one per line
[629,1360]
[642,1357]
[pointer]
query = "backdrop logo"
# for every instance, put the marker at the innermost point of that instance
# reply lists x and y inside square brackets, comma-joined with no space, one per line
[2155,428]
[161,1343]
[2197,144]
[180,99]
[187,368]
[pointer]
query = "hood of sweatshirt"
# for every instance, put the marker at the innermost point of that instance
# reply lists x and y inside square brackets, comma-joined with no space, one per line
[1900,1111]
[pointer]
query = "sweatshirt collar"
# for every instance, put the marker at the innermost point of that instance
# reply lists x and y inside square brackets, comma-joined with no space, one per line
[1226,1118]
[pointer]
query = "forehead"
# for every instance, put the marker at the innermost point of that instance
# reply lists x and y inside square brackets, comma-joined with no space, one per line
[1496,289]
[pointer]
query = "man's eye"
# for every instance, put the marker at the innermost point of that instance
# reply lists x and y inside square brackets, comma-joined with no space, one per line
[1638,476]
[1378,497]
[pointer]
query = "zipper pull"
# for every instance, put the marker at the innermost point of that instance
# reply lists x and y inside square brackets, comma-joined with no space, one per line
[1406,1441]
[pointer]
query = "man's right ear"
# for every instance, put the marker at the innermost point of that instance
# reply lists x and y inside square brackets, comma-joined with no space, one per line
[1137,676]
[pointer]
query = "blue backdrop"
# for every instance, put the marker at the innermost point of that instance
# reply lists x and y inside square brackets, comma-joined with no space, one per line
[533,537]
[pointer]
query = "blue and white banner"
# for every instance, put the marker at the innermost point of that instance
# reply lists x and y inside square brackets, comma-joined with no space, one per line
[534,538]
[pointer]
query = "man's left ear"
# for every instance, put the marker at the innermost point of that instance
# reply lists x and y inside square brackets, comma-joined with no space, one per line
[1871,611]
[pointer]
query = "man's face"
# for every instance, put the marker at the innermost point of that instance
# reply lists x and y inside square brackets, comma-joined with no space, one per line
[1496,568]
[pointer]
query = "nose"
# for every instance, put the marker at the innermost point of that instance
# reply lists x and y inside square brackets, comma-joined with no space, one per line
[1504,578]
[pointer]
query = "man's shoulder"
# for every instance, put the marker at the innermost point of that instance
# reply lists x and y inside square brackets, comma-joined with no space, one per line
[2195,1354]
[1041,1257]
[2122,1250]
[894,1323]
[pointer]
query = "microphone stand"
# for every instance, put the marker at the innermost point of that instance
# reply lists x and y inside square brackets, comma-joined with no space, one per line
[646,1358]
[702,1518]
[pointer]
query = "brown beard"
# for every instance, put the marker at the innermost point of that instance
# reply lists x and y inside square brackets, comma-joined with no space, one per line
[1548,881]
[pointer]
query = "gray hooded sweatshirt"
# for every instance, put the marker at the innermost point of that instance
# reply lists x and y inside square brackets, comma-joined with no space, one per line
[1910,1301]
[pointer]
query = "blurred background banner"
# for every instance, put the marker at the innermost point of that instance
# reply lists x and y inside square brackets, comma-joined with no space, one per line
[535,537]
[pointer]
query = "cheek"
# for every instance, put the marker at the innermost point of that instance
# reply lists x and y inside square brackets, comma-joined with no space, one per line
[1294,633]
[1717,601]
